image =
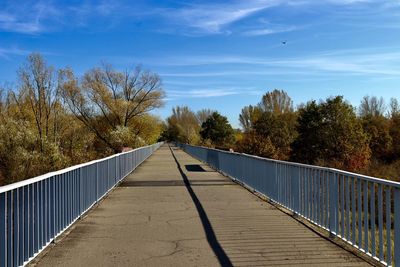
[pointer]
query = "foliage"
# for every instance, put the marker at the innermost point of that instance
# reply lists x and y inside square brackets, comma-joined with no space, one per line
[53,119]
[270,127]
[218,130]
[277,102]
[203,114]
[330,134]
[248,117]
[372,106]
[182,126]
[107,100]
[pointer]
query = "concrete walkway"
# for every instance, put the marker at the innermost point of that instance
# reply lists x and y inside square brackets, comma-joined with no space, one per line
[175,211]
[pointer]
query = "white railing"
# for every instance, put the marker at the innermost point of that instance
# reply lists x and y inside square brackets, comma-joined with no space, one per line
[364,211]
[34,212]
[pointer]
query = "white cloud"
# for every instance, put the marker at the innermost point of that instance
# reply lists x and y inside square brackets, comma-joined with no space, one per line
[212,18]
[268,31]
[6,52]
[207,93]
[369,62]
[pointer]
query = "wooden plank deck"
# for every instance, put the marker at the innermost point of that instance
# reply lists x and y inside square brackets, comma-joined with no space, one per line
[175,211]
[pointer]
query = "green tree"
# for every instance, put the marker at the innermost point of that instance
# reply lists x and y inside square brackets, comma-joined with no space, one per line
[330,134]
[218,130]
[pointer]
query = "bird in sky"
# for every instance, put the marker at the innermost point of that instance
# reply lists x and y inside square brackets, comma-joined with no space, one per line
[284,42]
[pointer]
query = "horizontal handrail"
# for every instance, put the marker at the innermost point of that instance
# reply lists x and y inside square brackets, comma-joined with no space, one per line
[35,211]
[12,186]
[364,211]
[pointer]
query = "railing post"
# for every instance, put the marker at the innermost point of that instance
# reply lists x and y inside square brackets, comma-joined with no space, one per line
[3,230]
[396,226]
[333,202]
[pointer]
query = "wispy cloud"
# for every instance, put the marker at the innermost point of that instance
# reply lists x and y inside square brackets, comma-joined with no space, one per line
[27,17]
[11,51]
[345,62]
[212,18]
[268,31]
[207,93]
[33,17]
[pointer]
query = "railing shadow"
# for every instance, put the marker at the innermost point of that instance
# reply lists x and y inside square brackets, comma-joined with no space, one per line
[208,229]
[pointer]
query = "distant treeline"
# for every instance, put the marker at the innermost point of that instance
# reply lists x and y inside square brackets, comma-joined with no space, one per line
[328,133]
[52,119]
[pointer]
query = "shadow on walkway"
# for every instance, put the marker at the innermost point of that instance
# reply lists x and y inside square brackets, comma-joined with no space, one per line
[211,237]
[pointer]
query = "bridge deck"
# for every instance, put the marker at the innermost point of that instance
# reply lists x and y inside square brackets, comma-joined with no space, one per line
[179,212]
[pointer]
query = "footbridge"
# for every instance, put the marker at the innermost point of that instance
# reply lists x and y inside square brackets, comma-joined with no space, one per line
[167,205]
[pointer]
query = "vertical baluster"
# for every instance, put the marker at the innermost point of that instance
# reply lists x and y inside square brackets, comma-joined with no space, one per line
[3,229]
[396,226]
[342,212]
[359,212]
[15,227]
[353,210]
[333,203]
[9,228]
[366,226]
[26,223]
[21,226]
[380,220]
[372,216]
[388,226]
[347,185]
[321,197]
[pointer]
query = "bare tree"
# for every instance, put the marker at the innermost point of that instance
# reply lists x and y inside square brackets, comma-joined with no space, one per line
[39,88]
[394,107]
[372,106]
[106,99]
[277,101]
[249,116]
[203,115]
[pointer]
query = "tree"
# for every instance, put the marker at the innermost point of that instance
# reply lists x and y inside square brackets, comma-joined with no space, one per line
[330,134]
[277,101]
[253,144]
[183,126]
[106,100]
[271,125]
[378,130]
[38,88]
[372,106]
[394,107]
[249,116]
[279,130]
[218,130]
[202,115]
[376,126]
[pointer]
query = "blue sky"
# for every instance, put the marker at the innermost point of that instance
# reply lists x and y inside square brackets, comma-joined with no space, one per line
[217,54]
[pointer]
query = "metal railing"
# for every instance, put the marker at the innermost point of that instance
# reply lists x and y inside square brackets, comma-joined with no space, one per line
[35,211]
[363,211]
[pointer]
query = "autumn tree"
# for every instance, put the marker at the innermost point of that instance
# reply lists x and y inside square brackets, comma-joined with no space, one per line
[277,102]
[372,106]
[182,126]
[270,125]
[203,114]
[248,116]
[330,134]
[108,101]
[39,95]
[376,126]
